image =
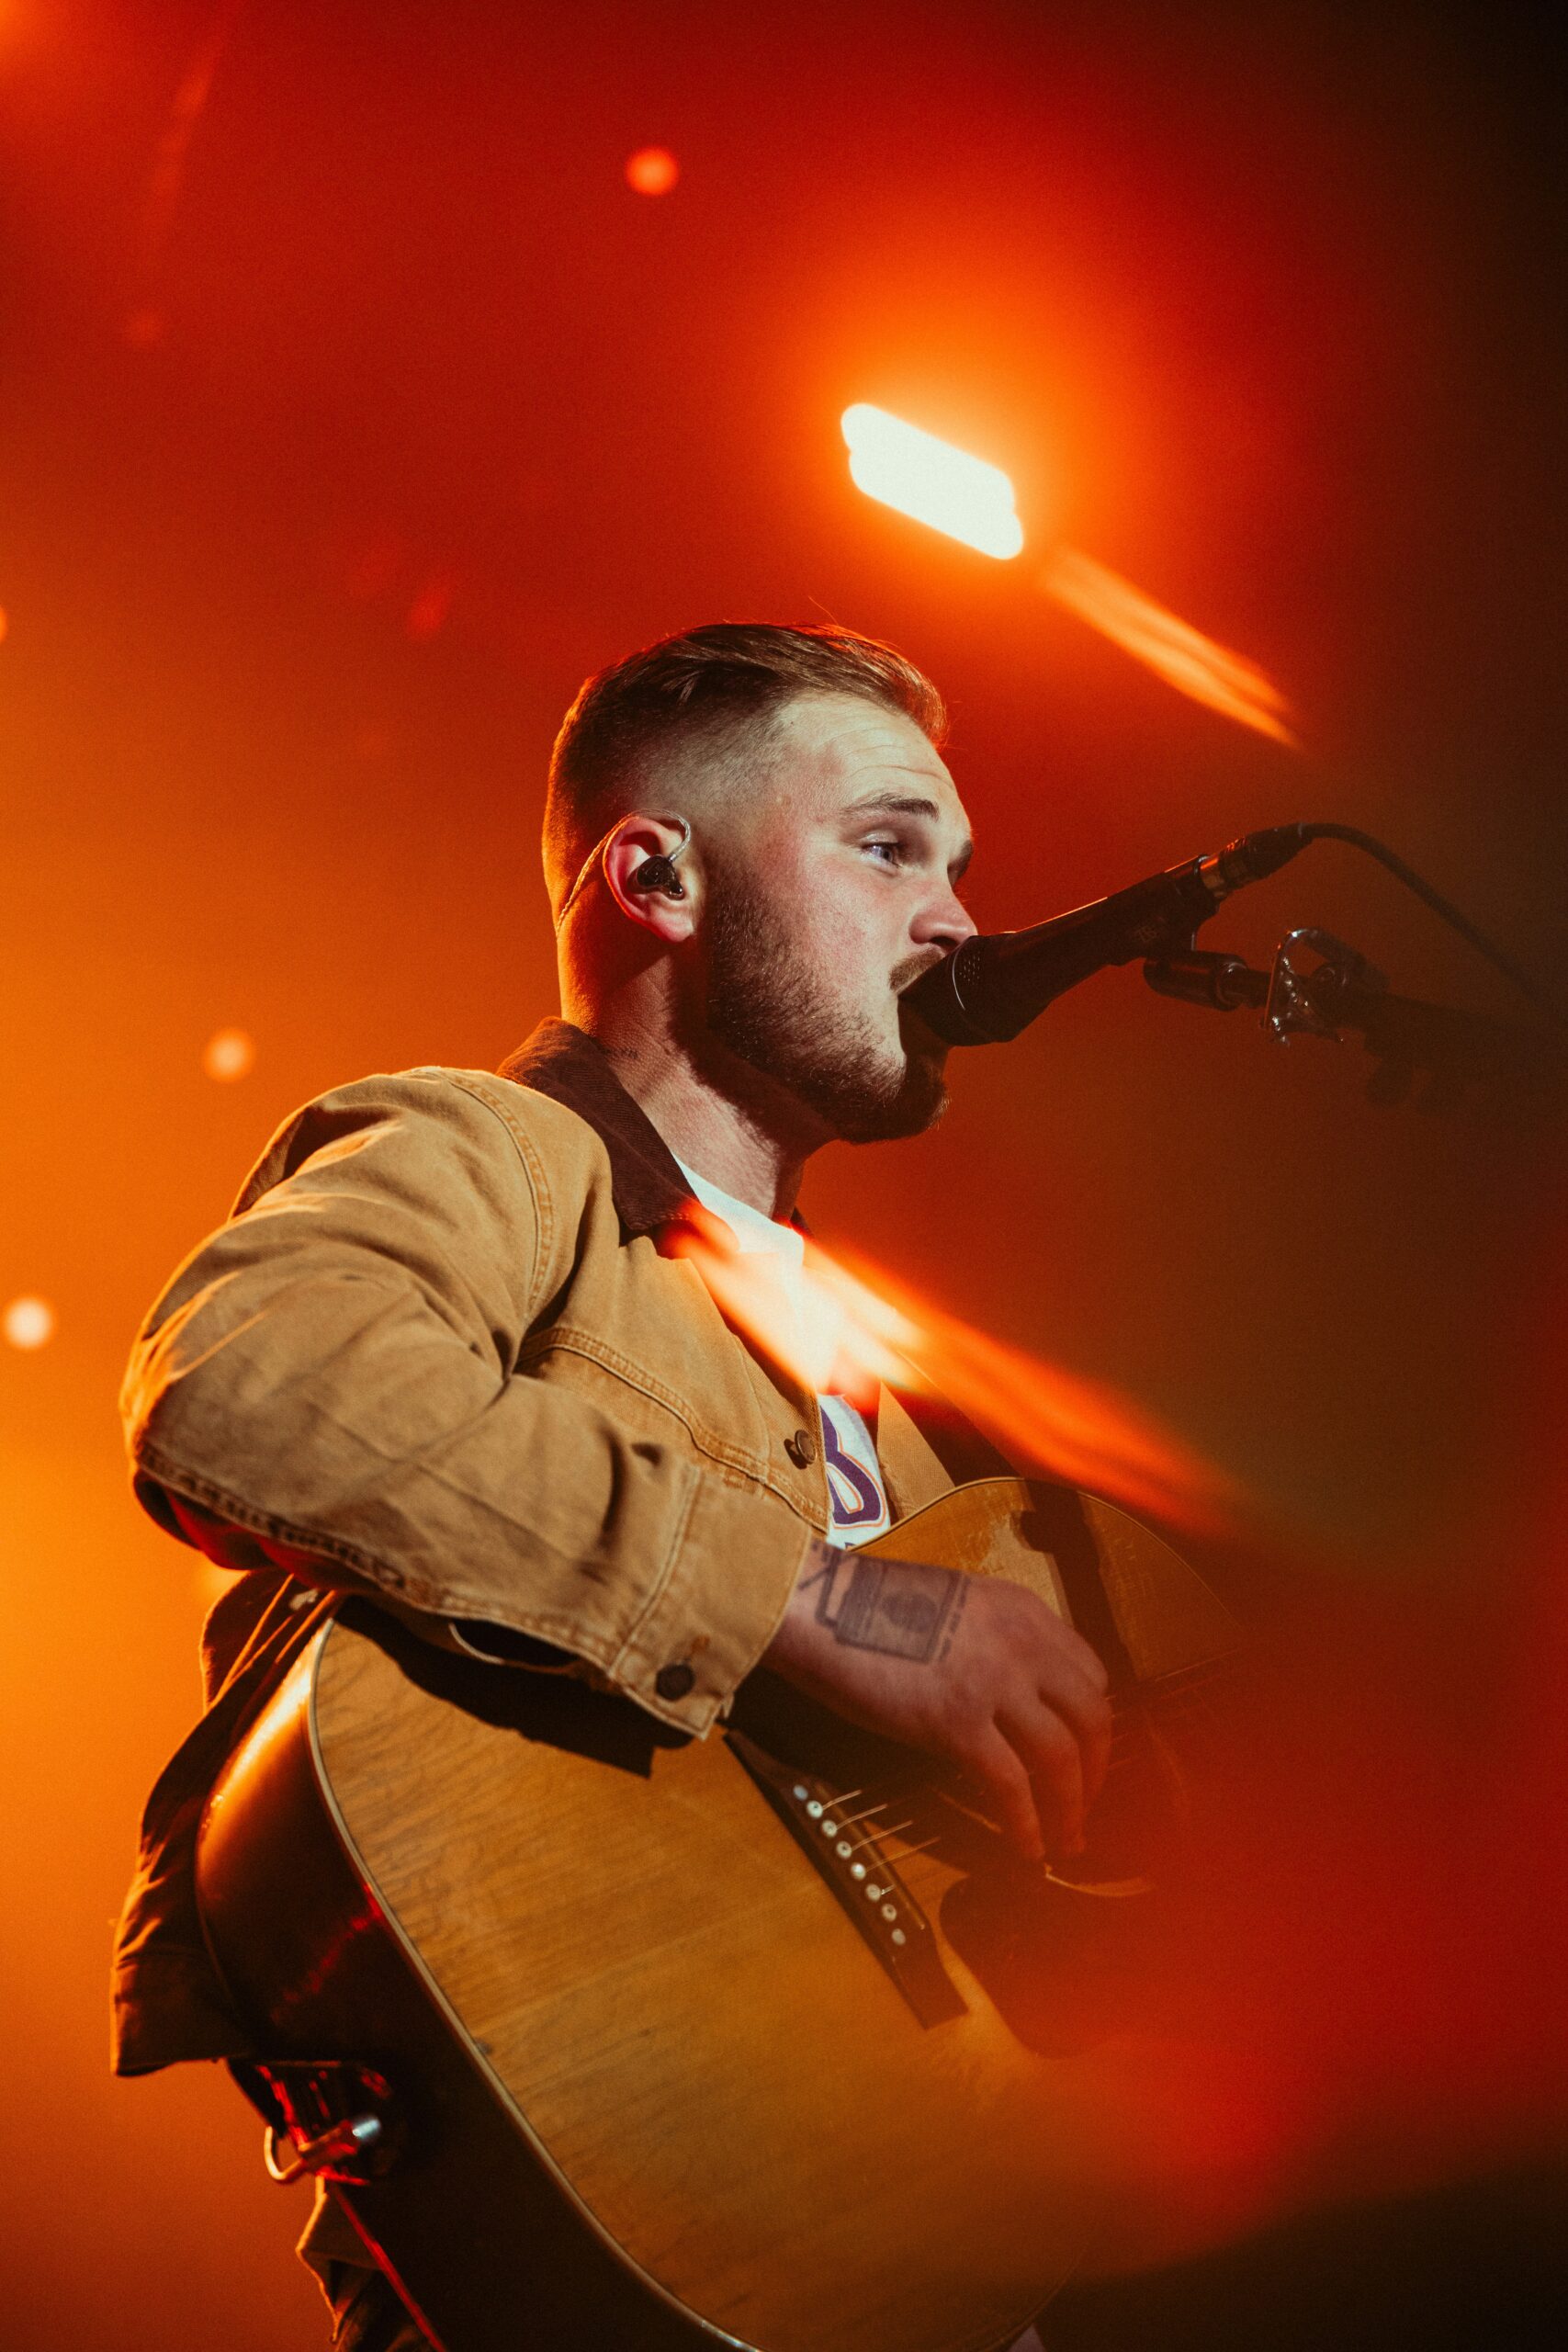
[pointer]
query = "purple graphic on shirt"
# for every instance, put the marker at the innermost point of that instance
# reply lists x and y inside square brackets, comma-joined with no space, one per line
[844,1471]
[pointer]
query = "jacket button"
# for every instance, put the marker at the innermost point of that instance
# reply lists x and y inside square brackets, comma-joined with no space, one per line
[674,1682]
[801,1449]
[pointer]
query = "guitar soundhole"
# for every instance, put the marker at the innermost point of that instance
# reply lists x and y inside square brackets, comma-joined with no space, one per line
[1069,1956]
[1062,1972]
[1140,1824]
[1062,1952]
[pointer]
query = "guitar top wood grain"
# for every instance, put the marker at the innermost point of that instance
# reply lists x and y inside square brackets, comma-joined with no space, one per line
[675,2011]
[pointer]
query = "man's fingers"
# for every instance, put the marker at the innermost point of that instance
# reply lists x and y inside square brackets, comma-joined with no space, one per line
[1086,1710]
[1014,1696]
[1001,1772]
[1048,1750]
[1088,1661]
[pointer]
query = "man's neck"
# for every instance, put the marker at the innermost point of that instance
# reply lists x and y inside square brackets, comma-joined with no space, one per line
[729,1132]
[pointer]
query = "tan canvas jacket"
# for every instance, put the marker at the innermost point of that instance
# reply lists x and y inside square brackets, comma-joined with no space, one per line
[438,1355]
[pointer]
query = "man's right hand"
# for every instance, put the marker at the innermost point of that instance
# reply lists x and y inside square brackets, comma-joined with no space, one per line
[968,1667]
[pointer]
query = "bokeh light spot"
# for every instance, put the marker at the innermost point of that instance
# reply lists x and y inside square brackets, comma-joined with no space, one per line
[29,1322]
[229,1054]
[5,624]
[426,616]
[652,170]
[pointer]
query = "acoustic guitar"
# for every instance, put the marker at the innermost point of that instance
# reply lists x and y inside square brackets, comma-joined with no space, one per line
[609,2038]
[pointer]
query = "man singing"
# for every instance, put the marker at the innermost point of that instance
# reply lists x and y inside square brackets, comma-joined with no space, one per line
[439,1357]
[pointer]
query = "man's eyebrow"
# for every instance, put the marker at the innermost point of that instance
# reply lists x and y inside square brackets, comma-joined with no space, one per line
[899,804]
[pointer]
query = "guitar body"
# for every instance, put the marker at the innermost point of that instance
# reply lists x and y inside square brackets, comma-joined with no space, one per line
[656,2084]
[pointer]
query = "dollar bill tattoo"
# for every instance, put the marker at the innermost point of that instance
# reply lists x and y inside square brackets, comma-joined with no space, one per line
[897,1608]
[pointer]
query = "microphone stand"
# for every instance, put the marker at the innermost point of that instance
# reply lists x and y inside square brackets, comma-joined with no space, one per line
[1515,1071]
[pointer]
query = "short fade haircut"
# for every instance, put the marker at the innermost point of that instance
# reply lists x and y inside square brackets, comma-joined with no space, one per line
[702,690]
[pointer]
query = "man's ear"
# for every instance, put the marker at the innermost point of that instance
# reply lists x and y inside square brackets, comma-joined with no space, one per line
[669,913]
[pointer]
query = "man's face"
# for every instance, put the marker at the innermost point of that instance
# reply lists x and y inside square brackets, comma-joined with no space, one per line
[830,890]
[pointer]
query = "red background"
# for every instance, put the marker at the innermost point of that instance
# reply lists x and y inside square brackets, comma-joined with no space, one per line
[330,469]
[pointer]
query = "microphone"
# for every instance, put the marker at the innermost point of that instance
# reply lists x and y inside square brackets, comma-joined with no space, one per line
[990,988]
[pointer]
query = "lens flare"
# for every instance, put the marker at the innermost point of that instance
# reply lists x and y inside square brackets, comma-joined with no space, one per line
[1181,655]
[931,481]
[847,1328]
[1082,1432]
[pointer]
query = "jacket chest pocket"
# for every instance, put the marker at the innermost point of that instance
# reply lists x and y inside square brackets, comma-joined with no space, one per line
[694,1401]
[651,1349]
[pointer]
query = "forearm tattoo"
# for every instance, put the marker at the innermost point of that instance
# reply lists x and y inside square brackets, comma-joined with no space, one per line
[897,1608]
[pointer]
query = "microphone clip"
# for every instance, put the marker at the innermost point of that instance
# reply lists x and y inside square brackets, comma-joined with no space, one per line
[1316,1001]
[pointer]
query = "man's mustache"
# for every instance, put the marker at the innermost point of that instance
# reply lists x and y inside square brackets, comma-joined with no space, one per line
[905,975]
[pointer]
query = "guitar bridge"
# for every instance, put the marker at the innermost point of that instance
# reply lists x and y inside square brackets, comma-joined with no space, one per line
[867,1885]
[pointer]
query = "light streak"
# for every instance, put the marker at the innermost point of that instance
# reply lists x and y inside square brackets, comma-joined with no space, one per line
[931,481]
[144,326]
[1194,664]
[847,1330]
[971,500]
[1083,1432]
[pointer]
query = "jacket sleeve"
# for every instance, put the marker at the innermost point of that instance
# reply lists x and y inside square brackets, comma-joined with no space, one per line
[326,1385]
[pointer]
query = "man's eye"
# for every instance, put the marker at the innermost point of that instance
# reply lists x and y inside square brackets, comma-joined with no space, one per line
[890,852]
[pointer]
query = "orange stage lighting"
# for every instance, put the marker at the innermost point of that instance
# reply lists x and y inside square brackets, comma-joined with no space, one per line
[1176,651]
[930,479]
[652,170]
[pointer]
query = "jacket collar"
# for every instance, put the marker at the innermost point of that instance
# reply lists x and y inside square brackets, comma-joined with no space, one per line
[567,1064]
[650,1191]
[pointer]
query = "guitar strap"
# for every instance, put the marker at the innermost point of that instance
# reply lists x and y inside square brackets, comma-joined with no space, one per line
[1060,1525]
[958,1446]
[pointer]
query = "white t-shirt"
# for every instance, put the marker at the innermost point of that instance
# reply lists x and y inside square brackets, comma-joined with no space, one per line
[857,1499]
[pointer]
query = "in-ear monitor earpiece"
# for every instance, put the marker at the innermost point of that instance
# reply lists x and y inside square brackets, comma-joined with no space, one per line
[658,874]
[655,873]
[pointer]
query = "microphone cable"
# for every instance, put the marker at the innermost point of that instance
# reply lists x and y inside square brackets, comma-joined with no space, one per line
[1450,914]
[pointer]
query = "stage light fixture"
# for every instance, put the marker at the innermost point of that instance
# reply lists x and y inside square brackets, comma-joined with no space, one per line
[931,481]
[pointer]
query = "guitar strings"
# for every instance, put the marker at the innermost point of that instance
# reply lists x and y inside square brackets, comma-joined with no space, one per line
[1173,1706]
[847,1820]
[1179,1693]
[898,1861]
[1176,1678]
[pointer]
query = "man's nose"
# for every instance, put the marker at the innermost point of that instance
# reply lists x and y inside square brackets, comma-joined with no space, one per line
[946,923]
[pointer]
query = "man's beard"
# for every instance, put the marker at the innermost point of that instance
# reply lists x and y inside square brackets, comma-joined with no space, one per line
[769,1005]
